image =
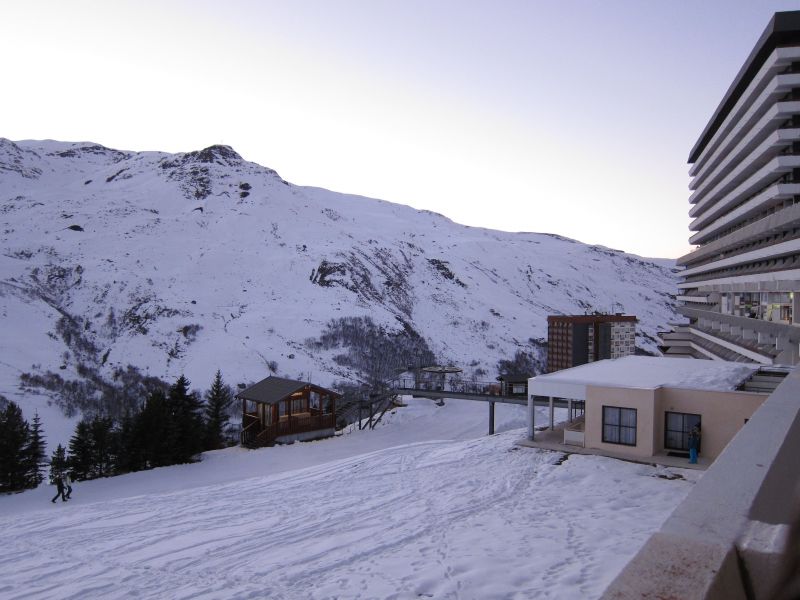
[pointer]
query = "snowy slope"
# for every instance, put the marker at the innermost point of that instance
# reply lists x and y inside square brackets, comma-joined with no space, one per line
[185,263]
[410,510]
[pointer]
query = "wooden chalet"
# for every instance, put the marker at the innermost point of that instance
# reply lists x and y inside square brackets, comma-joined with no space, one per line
[281,411]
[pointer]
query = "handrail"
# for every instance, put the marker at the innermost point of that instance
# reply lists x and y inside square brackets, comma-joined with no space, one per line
[484,388]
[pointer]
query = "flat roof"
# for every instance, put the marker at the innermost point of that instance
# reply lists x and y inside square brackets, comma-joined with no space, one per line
[643,372]
[590,318]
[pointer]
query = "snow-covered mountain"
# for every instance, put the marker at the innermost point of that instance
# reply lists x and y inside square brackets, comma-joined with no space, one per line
[185,263]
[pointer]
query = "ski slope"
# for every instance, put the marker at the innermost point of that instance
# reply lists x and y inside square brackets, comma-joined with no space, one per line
[425,506]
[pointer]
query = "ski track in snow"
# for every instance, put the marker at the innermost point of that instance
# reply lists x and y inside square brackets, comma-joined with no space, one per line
[442,519]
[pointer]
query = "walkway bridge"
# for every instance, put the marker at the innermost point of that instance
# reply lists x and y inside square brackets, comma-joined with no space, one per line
[504,392]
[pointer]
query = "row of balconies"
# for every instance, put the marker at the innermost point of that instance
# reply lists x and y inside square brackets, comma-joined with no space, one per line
[767,265]
[772,221]
[741,162]
[774,246]
[774,172]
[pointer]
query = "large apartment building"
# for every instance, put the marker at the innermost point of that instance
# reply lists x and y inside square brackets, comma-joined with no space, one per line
[574,340]
[741,285]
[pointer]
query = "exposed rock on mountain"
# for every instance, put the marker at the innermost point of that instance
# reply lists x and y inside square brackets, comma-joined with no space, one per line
[185,263]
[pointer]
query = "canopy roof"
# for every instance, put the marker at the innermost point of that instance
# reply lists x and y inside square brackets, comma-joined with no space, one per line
[274,389]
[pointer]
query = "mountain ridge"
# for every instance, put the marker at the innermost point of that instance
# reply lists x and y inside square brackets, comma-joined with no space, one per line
[189,262]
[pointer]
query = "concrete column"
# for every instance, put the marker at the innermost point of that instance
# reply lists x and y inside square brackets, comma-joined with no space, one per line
[551,413]
[531,413]
[491,418]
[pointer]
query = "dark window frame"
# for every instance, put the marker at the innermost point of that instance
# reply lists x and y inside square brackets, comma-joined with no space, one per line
[618,426]
[686,427]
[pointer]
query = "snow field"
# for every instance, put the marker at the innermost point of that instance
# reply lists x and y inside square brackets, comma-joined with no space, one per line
[361,519]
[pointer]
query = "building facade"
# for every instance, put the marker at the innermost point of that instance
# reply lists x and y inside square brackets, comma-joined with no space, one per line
[574,340]
[741,285]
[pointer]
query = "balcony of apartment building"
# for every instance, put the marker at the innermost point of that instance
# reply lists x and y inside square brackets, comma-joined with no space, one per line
[772,129]
[760,326]
[750,155]
[780,169]
[748,210]
[778,220]
[785,242]
[773,271]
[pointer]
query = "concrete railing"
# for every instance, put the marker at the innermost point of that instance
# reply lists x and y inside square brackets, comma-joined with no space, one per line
[726,539]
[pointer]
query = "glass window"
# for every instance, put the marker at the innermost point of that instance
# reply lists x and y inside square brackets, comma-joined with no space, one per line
[619,425]
[676,430]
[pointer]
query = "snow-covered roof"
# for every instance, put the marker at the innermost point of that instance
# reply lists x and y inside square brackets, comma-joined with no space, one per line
[645,372]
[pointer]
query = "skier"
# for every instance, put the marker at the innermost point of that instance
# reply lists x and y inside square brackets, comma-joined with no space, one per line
[60,488]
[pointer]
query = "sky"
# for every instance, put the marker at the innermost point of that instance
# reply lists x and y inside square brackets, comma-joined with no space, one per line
[573,117]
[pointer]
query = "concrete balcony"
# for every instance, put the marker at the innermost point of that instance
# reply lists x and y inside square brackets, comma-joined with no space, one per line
[781,276]
[713,207]
[771,251]
[770,121]
[759,202]
[780,220]
[740,165]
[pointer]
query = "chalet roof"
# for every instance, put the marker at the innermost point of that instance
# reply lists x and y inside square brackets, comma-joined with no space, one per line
[274,389]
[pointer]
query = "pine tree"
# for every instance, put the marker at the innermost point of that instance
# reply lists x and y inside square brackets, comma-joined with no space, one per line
[58,463]
[218,401]
[186,424]
[153,432]
[14,436]
[127,449]
[35,453]
[80,457]
[101,439]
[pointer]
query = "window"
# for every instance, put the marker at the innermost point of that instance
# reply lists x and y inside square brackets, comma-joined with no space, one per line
[619,425]
[676,430]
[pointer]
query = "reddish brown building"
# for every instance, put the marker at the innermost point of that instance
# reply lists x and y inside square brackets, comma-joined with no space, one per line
[279,411]
[574,340]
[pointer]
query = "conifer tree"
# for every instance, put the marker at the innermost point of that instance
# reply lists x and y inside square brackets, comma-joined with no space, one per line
[79,460]
[218,401]
[153,431]
[186,424]
[127,449]
[101,439]
[14,436]
[35,453]
[58,463]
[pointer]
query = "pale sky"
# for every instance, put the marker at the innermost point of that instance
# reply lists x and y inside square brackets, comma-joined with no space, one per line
[566,116]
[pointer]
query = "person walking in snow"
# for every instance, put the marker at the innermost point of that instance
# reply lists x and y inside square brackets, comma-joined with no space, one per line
[694,444]
[60,488]
[67,482]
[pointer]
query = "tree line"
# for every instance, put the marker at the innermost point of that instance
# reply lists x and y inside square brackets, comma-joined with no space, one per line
[171,426]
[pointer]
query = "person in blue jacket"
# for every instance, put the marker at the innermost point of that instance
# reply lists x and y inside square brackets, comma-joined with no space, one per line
[694,444]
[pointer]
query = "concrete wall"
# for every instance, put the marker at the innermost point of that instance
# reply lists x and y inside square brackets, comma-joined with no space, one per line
[722,415]
[640,399]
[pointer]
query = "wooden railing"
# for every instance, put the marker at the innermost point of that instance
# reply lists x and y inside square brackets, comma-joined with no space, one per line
[254,435]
